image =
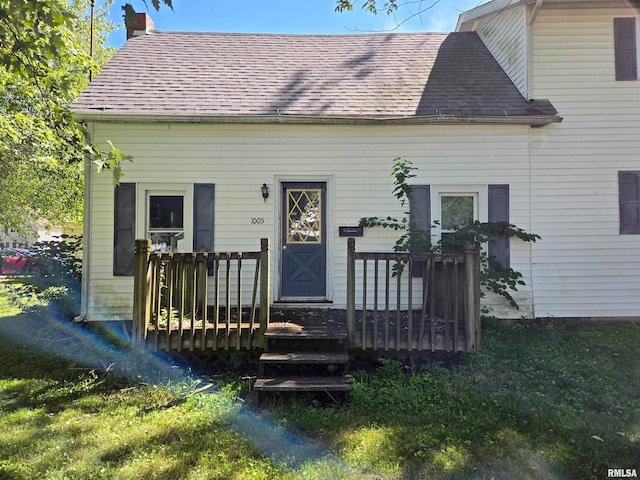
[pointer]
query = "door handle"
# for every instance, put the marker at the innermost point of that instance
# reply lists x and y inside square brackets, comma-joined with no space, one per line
[284,247]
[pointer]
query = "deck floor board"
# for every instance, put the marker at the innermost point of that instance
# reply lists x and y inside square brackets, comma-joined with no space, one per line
[302,384]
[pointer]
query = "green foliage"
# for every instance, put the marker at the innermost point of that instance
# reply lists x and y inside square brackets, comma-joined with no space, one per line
[389,7]
[44,65]
[390,385]
[527,406]
[111,160]
[64,419]
[371,6]
[59,289]
[563,406]
[32,33]
[64,258]
[35,33]
[493,276]
[130,12]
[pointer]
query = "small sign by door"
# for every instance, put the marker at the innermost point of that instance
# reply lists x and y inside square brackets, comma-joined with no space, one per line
[351,231]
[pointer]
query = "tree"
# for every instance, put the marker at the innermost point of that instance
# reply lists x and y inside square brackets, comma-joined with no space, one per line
[33,32]
[414,8]
[44,65]
[130,13]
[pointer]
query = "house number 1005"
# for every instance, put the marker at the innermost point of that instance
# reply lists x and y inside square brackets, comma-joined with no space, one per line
[257,220]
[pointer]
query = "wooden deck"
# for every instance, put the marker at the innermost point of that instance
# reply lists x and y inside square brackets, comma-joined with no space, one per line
[198,302]
[216,337]
[330,324]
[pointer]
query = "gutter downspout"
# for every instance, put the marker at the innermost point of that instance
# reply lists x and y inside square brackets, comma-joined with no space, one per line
[86,230]
[531,230]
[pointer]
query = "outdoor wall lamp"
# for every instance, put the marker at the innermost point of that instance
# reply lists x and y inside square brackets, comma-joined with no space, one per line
[265,191]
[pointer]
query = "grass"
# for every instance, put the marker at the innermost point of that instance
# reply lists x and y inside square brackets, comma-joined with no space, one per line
[539,402]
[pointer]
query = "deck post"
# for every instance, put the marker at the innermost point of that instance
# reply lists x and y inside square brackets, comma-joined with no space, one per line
[265,288]
[472,306]
[141,282]
[351,290]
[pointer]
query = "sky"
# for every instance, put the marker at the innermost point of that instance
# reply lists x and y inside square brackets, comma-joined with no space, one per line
[290,16]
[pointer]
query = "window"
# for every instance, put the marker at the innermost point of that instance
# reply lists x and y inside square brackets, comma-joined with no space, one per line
[455,206]
[624,34]
[166,223]
[177,218]
[165,216]
[304,215]
[629,197]
[457,210]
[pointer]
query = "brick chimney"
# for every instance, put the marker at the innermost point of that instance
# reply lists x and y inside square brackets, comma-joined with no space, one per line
[141,26]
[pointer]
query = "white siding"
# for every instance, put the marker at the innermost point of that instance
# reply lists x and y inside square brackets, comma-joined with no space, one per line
[583,267]
[505,35]
[355,161]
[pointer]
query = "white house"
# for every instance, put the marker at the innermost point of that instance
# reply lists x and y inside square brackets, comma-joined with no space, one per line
[529,112]
[584,172]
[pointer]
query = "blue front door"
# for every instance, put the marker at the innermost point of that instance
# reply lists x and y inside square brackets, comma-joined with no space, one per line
[304,251]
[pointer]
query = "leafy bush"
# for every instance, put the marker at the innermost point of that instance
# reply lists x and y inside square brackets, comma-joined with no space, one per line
[61,286]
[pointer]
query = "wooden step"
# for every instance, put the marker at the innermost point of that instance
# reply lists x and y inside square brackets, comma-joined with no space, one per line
[289,330]
[306,358]
[301,384]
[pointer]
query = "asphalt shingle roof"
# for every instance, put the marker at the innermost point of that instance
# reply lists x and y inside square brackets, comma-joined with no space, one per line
[368,75]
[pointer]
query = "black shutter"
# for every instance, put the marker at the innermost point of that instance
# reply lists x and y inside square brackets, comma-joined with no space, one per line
[629,195]
[124,229]
[624,34]
[420,214]
[203,216]
[499,212]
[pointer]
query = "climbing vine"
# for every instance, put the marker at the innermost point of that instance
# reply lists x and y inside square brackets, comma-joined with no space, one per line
[493,276]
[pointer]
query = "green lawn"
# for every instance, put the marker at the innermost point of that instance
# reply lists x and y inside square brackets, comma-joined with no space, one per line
[539,402]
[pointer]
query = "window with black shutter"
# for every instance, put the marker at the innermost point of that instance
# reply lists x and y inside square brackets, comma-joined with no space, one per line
[454,207]
[624,32]
[420,215]
[629,196]
[499,250]
[204,218]
[124,229]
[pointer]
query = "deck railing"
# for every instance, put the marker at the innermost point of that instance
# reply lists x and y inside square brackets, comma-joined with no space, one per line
[390,307]
[197,301]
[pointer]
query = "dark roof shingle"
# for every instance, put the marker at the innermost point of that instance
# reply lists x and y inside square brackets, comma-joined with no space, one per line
[368,75]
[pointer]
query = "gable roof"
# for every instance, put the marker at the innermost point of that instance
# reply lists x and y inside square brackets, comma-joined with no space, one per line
[227,77]
[493,7]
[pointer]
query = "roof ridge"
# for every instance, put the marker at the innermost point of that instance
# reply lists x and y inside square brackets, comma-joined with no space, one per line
[280,34]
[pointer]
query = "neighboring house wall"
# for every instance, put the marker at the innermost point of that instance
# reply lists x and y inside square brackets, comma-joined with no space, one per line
[355,161]
[583,266]
[505,35]
[11,239]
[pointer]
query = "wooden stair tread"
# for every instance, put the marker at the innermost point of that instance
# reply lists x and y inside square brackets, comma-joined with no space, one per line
[295,330]
[305,358]
[301,384]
